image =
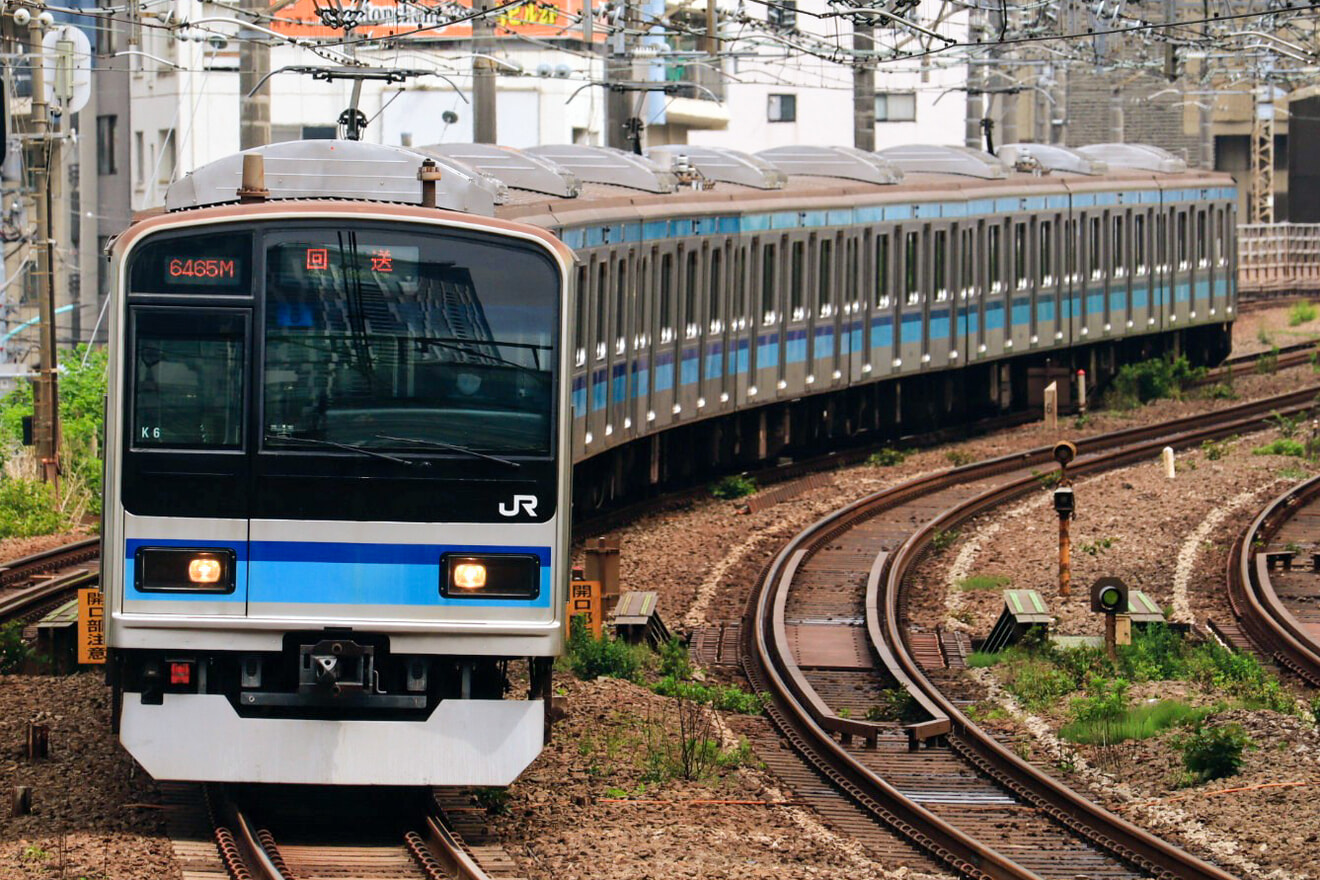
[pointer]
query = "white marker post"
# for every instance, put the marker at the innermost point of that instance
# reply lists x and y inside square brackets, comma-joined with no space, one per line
[1167,457]
[1052,406]
[1081,391]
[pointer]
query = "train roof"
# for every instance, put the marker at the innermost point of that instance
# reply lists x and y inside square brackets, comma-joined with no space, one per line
[561,185]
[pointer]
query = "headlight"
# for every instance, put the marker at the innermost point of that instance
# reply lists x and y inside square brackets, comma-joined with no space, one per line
[490,576]
[184,570]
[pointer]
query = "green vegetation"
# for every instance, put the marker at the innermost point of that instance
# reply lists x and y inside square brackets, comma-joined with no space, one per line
[14,652]
[1268,363]
[589,657]
[896,704]
[1263,336]
[984,582]
[1154,379]
[1214,449]
[1096,547]
[887,457]
[1102,716]
[1048,479]
[735,486]
[982,659]
[494,799]
[1214,752]
[1301,313]
[1282,446]
[943,539]
[1287,426]
[728,698]
[958,458]
[1219,391]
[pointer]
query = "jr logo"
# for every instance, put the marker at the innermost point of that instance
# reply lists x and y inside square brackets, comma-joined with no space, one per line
[519,504]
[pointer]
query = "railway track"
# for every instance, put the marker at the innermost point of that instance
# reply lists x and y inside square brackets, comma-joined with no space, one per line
[302,833]
[827,634]
[1271,585]
[34,585]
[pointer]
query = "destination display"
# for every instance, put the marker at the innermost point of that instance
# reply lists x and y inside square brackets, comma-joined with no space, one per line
[217,263]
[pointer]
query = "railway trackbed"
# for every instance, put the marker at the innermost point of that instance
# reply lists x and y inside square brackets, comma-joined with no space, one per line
[34,585]
[1271,583]
[827,633]
[318,833]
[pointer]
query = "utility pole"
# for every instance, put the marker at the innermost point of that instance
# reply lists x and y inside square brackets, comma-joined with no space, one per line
[863,89]
[44,156]
[253,69]
[483,75]
[619,68]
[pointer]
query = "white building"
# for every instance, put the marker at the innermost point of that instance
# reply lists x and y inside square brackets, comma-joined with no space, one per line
[185,100]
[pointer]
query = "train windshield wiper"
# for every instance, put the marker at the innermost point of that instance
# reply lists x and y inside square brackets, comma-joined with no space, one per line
[350,447]
[452,447]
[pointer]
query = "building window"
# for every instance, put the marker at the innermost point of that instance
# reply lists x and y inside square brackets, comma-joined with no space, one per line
[782,15]
[139,158]
[783,108]
[896,107]
[166,161]
[105,144]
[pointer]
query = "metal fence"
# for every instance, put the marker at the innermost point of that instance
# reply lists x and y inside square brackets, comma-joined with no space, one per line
[1278,258]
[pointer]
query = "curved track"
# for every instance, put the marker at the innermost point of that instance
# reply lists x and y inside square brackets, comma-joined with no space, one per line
[1277,617]
[827,633]
[33,585]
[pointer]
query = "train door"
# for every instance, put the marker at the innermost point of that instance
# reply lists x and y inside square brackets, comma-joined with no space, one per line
[966,324]
[1219,285]
[994,318]
[598,385]
[939,312]
[1184,221]
[1021,284]
[1092,292]
[184,467]
[688,380]
[795,346]
[881,335]
[643,355]
[712,329]
[742,322]
[620,321]
[766,355]
[1120,276]
[831,295]
[849,313]
[1046,308]
[1201,275]
[1139,310]
[664,367]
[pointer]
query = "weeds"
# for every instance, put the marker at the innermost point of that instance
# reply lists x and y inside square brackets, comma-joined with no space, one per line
[1049,479]
[728,698]
[14,652]
[1139,722]
[1301,313]
[886,457]
[1214,752]
[1219,391]
[1287,426]
[589,657]
[958,458]
[735,486]
[1214,449]
[943,539]
[1154,379]
[1282,446]
[984,582]
[1268,363]
[896,704]
[1096,547]
[494,799]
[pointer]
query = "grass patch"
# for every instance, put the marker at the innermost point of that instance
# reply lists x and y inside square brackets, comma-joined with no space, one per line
[1282,446]
[886,457]
[984,582]
[1214,752]
[1138,722]
[728,698]
[983,659]
[1268,363]
[589,657]
[736,486]
[1154,379]
[1301,313]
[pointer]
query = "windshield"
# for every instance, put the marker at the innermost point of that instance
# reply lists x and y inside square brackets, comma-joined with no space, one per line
[388,339]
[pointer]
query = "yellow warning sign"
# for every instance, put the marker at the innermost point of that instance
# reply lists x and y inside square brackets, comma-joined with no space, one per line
[584,600]
[91,626]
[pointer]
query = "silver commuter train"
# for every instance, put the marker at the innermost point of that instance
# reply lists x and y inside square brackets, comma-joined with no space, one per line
[336,480]
[727,306]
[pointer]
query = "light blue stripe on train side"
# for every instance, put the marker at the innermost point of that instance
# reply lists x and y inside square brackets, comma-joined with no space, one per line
[313,573]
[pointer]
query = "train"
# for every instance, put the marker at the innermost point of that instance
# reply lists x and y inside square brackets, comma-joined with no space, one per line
[356,390]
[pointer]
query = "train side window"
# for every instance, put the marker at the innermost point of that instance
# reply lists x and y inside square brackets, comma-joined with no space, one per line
[1202,241]
[667,298]
[599,299]
[768,315]
[715,293]
[621,307]
[911,294]
[739,319]
[1070,250]
[825,279]
[1020,279]
[797,281]
[992,259]
[967,260]
[1139,244]
[1181,240]
[580,318]
[1046,254]
[1116,249]
[691,324]
[940,255]
[882,298]
[851,280]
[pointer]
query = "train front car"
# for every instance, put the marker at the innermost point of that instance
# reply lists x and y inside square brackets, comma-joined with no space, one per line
[337,511]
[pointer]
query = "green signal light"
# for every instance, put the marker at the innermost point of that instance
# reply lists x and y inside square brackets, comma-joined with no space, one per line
[1109,597]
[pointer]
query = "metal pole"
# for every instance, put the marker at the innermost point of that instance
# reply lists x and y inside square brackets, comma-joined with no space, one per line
[46,425]
[618,67]
[483,76]
[1065,556]
[253,67]
[863,91]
